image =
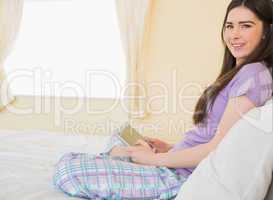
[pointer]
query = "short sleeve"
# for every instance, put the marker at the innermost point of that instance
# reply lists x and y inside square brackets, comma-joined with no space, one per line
[254,81]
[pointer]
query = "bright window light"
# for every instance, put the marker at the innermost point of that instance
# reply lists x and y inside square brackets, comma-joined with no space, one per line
[68,48]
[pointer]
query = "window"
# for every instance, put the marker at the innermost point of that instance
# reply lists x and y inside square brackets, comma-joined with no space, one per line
[68,48]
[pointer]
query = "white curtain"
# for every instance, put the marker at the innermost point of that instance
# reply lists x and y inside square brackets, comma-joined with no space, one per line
[10,17]
[134,19]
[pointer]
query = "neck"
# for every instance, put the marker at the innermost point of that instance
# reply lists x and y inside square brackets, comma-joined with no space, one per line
[238,62]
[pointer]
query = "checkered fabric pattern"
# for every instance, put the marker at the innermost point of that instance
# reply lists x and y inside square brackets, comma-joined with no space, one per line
[104,177]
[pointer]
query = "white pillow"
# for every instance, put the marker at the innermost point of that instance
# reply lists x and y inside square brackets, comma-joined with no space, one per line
[241,166]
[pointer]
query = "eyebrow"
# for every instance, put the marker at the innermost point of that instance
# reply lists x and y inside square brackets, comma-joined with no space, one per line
[242,22]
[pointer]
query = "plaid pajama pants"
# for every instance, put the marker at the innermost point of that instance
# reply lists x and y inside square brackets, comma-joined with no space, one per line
[105,177]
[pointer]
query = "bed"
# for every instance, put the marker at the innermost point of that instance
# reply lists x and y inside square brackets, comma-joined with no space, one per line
[28,154]
[28,157]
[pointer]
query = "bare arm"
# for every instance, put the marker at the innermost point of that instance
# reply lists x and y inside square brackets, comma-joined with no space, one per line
[191,157]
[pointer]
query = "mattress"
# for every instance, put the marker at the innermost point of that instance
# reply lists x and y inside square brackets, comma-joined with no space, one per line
[28,158]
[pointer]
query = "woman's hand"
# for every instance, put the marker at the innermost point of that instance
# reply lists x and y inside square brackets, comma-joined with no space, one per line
[159,145]
[145,144]
[142,155]
[119,151]
[122,150]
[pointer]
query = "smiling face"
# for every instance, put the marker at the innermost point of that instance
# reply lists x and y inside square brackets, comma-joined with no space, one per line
[242,33]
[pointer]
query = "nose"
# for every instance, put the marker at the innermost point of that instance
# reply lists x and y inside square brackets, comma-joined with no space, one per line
[235,33]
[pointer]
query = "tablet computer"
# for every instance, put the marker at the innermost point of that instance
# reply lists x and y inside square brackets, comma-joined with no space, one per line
[130,135]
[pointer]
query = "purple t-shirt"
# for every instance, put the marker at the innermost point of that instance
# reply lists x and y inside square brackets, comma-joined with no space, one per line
[253,80]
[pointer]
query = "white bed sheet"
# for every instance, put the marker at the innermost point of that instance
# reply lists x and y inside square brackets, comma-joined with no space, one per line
[27,161]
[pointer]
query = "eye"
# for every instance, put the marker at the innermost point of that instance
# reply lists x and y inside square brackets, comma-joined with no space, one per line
[229,26]
[246,26]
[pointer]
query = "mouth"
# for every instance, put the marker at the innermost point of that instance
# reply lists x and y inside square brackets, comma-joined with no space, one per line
[237,46]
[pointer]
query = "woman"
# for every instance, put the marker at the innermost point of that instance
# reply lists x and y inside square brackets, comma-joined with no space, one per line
[139,172]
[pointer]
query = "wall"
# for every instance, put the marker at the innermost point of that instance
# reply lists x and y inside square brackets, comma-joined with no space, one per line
[184,55]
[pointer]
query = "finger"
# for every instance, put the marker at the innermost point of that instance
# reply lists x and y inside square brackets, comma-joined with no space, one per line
[151,140]
[138,143]
[142,143]
[130,149]
[134,160]
[154,150]
[148,144]
[148,139]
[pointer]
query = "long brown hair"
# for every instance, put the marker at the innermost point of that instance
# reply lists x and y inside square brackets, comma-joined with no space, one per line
[264,52]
